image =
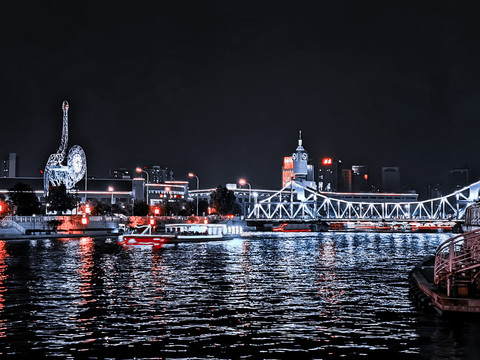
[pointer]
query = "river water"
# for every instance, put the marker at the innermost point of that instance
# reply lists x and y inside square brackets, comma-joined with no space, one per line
[318,295]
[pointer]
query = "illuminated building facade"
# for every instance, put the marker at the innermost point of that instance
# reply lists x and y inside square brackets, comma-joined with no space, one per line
[287,170]
[157,175]
[328,175]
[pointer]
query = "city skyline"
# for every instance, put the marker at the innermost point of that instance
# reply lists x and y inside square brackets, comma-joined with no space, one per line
[222,90]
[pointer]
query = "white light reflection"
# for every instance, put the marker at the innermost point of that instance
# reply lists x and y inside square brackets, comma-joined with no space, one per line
[3,277]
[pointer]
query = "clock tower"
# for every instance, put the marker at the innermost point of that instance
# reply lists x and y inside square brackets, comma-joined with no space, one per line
[300,161]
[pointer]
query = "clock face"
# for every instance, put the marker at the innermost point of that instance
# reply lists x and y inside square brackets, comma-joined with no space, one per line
[294,156]
[77,163]
[304,156]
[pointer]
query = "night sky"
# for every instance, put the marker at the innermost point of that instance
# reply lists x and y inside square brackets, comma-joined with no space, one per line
[222,88]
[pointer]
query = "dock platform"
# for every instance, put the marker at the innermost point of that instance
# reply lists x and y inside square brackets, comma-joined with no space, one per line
[425,291]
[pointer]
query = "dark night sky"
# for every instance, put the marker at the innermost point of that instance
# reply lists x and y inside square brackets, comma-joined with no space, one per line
[222,88]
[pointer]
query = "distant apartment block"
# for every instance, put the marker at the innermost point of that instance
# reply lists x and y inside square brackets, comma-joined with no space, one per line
[360,178]
[456,179]
[346,181]
[157,175]
[391,179]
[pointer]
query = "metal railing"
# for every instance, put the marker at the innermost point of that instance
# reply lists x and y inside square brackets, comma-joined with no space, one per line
[9,223]
[457,260]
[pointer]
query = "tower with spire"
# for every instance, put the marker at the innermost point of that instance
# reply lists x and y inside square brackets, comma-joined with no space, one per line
[300,161]
[303,172]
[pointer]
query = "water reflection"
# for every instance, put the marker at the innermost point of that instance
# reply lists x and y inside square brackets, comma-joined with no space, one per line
[267,296]
[3,277]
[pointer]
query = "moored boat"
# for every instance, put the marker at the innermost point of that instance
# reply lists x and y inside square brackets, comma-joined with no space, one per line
[435,226]
[450,281]
[202,232]
[286,227]
[145,238]
[175,233]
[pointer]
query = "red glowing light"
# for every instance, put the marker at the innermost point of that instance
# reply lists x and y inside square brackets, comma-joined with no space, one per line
[365,176]
[156,211]
[242,182]
[287,163]
[191,175]
[84,220]
[152,221]
[1,207]
[326,161]
[205,221]
[88,210]
[138,170]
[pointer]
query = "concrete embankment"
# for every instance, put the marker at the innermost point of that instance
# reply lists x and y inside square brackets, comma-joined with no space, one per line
[57,235]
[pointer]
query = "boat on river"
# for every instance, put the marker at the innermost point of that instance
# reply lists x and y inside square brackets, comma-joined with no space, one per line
[202,232]
[286,227]
[142,236]
[450,280]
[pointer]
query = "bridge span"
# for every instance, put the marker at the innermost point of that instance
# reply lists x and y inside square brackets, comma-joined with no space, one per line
[297,202]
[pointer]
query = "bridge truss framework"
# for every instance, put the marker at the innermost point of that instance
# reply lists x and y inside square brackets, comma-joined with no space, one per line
[287,205]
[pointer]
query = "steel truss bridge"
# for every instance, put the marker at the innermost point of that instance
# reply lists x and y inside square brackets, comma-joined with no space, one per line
[296,202]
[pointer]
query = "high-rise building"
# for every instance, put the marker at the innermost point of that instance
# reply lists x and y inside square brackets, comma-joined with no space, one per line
[360,178]
[9,166]
[329,175]
[157,175]
[345,183]
[391,179]
[456,179]
[433,190]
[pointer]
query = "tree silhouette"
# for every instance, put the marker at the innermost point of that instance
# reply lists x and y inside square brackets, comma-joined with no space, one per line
[223,201]
[24,199]
[60,200]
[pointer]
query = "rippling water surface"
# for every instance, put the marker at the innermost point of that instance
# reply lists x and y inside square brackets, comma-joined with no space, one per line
[321,295]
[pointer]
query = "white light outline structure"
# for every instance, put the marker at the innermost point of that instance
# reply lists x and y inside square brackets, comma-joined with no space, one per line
[283,206]
[56,173]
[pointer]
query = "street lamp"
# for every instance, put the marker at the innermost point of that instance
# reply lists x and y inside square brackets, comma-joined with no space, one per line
[191,175]
[255,197]
[139,170]
[244,182]
[110,188]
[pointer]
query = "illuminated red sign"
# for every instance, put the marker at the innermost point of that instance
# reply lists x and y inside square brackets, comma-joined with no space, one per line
[326,161]
[288,163]
[1,207]
[84,220]
[156,211]
[152,221]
